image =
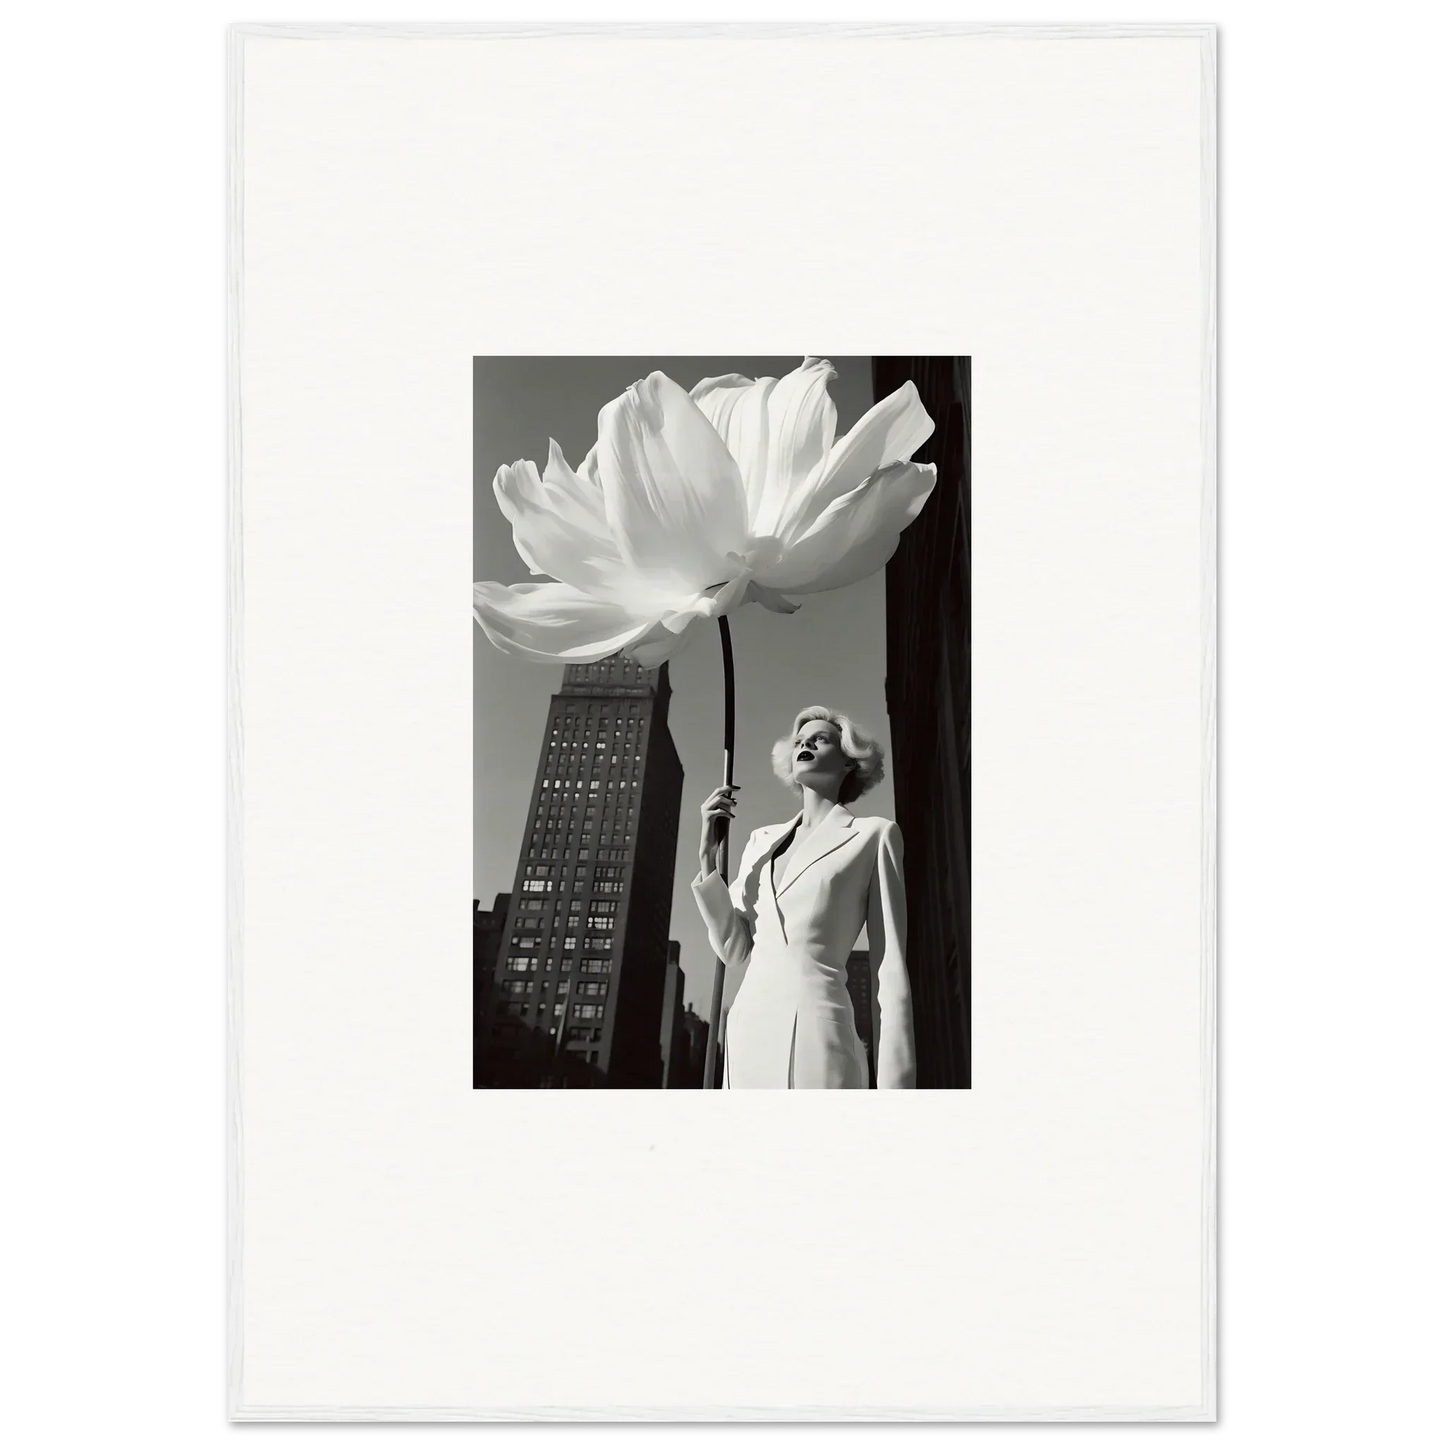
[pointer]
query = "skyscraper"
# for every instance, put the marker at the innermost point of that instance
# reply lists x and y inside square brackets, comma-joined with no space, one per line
[860,990]
[578,993]
[674,1039]
[929,691]
[694,1028]
[488,928]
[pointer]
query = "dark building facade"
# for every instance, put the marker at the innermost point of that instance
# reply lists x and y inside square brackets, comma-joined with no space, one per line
[577,996]
[694,1028]
[929,709]
[674,1039]
[860,990]
[488,928]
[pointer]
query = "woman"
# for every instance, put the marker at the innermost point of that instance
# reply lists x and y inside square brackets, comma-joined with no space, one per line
[804,890]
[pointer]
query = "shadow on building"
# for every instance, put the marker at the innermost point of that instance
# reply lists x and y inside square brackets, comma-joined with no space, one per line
[928,591]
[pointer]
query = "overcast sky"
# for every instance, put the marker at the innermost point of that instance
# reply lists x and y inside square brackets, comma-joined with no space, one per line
[829,652]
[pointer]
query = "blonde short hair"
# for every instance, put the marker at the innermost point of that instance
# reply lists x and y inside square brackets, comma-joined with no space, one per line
[865,751]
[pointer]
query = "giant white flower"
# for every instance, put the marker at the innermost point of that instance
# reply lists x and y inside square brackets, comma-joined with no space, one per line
[691,505]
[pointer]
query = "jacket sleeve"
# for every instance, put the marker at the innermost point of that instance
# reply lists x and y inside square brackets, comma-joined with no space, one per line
[887,953]
[729,916]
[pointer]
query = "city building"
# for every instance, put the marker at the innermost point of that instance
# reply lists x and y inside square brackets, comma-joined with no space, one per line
[674,1039]
[928,593]
[694,1028]
[577,998]
[488,928]
[860,990]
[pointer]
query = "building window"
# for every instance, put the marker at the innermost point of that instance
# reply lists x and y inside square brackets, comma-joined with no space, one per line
[598,942]
[595,965]
[569,942]
[587,988]
[519,985]
[520,963]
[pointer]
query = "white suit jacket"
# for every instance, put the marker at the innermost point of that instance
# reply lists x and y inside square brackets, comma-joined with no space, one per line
[791,1024]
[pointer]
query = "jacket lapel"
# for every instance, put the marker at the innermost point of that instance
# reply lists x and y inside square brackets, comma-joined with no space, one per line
[776,833]
[831,833]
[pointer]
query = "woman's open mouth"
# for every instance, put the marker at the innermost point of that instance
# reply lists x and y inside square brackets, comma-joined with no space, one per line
[805,757]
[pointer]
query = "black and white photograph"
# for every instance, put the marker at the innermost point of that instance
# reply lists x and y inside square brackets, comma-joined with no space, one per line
[722,723]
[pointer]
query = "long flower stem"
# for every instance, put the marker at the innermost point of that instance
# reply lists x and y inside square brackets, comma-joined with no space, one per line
[714,1023]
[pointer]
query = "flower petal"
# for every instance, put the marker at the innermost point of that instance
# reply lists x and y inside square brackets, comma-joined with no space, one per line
[738,410]
[577,490]
[672,491]
[857,533]
[779,432]
[709,604]
[802,421]
[656,646]
[889,432]
[554,532]
[773,601]
[552,622]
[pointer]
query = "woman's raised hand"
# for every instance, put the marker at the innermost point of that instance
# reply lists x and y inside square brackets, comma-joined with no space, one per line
[717,813]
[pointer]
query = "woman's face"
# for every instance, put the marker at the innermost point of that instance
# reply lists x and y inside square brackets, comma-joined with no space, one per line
[819,761]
